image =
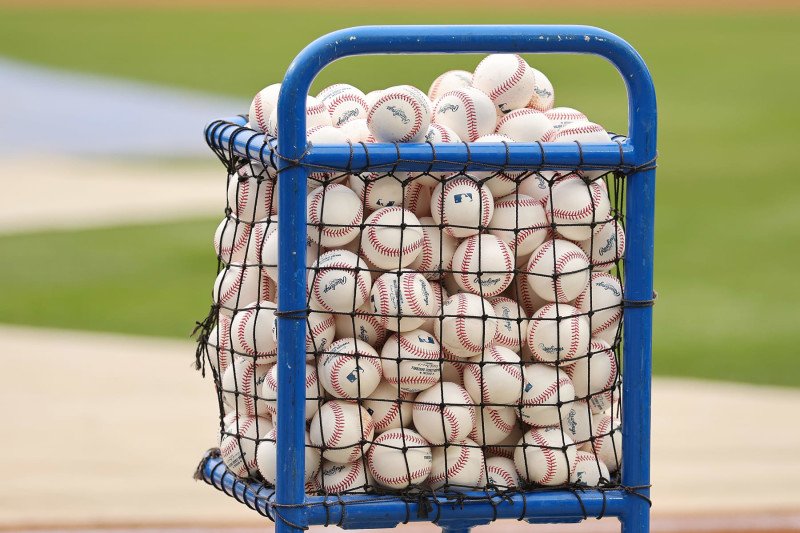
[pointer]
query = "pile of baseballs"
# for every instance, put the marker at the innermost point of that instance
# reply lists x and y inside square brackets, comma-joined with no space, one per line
[462,327]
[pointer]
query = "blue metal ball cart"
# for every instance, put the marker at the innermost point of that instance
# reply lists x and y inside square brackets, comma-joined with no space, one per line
[633,155]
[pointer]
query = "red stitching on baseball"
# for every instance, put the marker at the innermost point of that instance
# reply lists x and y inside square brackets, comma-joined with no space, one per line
[469,109]
[587,128]
[260,119]
[409,100]
[596,198]
[510,82]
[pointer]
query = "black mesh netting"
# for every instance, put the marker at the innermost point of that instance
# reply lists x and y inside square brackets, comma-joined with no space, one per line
[463,329]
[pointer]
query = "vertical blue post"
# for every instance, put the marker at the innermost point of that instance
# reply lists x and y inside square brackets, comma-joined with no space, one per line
[291,297]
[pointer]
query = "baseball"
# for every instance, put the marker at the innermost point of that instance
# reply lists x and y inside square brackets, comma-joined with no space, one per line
[230,240]
[467,111]
[239,441]
[587,470]
[484,265]
[594,377]
[411,360]
[343,430]
[219,346]
[389,407]
[363,325]
[399,115]
[601,301]
[494,377]
[344,102]
[459,466]
[537,185]
[314,393]
[452,79]
[237,284]
[520,291]
[512,323]
[444,413]
[543,94]
[527,126]
[349,369]
[399,458]
[559,271]
[251,192]
[501,473]
[402,300]
[356,131]
[577,422]
[317,114]
[338,477]
[468,324]
[506,447]
[546,392]
[520,222]
[262,106]
[545,456]
[267,458]
[605,247]
[378,190]
[436,254]
[563,116]
[241,387]
[577,207]
[584,132]
[320,332]
[494,425]
[334,215]
[558,333]
[607,442]
[339,281]
[462,205]
[507,79]
[392,238]
[251,332]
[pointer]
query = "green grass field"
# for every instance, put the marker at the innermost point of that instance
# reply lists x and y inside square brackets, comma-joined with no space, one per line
[728,223]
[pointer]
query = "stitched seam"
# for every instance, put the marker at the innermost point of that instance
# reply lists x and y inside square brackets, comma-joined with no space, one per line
[509,82]
[409,100]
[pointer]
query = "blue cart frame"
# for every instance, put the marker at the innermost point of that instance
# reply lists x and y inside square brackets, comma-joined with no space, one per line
[289,506]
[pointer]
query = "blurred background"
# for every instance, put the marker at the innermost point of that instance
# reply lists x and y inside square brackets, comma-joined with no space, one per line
[110,199]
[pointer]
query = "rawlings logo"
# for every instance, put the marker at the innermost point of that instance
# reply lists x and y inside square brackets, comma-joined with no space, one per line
[507,315]
[542,183]
[426,340]
[571,423]
[334,283]
[608,287]
[485,282]
[550,349]
[542,92]
[462,197]
[609,245]
[334,469]
[353,376]
[425,295]
[448,107]
[362,333]
[347,115]
[398,113]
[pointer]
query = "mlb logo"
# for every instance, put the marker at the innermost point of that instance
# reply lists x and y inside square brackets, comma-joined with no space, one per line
[353,376]
[462,197]
[426,340]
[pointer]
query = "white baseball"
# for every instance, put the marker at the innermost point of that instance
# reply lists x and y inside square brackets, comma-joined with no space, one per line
[450,423]
[462,205]
[507,79]
[320,332]
[576,422]
[543,94]
[363,325]
[605,247]
[493,425]
[251,332]
[372,97]
[314,392]
[411,360]
[584,132]
[601,301]
[241,387]
[340,281]
[392,238]
[460,466]
[251,192]
[607,440]
[219,346]
[230,240]
[344,102]
[484,265]
[239,441]
[547,391]
[501,473]
[343,477]
[399,115]
[452,79]
[544,456]
[436,255]
[237,285]
[512,323]
[520,291]
[343,430]
[349,369]
[521,223]
[440,294]
[494,377]
[558,333]
[558,271]
[537,185]
[334,213]
[577,207]
[379,190]
[594,377]
[389,407]
[399,458]
[267,458]
[317,114]
[264,102]
[507,446]
[468,324]
[468,111]
[356,131]
[527,126]
[588,470]
[563,116]
[402,301]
